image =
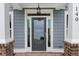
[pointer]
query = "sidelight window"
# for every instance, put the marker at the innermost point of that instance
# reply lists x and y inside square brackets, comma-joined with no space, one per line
[28,31]
[49,27]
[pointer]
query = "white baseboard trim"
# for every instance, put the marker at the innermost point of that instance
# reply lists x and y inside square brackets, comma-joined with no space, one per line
[58,50]
[19,50]
[23,50]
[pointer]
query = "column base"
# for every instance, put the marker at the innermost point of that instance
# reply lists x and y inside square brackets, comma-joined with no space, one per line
[6,49]
[71,49]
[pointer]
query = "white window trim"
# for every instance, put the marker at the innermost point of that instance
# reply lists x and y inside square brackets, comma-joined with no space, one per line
[11,13]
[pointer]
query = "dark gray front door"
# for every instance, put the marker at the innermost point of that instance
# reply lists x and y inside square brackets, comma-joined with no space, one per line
[38,34]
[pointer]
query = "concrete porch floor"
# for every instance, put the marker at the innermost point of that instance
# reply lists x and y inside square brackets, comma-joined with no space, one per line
[39,54]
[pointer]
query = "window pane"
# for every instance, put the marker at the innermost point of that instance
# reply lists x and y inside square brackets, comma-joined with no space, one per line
[49,27]
[10,24]
[67,22]
[28,35]
[38,28]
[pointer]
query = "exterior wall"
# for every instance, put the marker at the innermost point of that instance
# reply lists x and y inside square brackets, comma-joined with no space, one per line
[4,22]
[58,29]
[19,29]
[2,33]
[75,27]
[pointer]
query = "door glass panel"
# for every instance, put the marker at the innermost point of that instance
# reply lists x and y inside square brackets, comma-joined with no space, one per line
[49,27]
[38,29]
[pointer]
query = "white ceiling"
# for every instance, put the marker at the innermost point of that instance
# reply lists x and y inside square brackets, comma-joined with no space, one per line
[42,5]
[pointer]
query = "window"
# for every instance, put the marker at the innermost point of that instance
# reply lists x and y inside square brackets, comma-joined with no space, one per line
[67,22]
[28,35]
[49,27]
[10,25]
[67,26]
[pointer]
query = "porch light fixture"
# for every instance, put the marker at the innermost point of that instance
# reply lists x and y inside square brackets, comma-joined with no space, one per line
[38,9]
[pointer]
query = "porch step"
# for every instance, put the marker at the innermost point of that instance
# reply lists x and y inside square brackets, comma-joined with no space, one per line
[39,54]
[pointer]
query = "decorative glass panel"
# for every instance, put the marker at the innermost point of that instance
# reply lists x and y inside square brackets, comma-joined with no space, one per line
[38,29]
[49,27]
[28,35]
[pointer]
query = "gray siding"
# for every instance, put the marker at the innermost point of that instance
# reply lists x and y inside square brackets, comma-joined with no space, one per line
[58,29]
[19,35]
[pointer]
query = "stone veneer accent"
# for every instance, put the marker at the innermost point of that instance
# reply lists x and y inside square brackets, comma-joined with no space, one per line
[6,49]
[71,49]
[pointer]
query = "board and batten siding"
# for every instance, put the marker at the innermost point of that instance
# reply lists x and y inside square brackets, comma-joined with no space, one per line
[19,29]
[58,29]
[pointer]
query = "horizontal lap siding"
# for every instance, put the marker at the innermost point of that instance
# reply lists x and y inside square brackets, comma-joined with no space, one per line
[58,29]
[19,27]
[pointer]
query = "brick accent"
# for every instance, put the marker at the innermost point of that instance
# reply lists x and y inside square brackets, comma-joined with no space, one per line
[6,49]
[71,49]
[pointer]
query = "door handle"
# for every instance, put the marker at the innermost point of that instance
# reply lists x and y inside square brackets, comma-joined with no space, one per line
[42,38]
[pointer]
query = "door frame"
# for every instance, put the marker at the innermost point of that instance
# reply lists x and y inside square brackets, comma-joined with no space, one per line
[50,11]
[30,18]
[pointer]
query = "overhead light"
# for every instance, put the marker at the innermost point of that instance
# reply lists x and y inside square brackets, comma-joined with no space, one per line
[38,9]
[66,7]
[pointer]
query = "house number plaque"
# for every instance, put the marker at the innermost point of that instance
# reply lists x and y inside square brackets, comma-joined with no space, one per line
[76,18]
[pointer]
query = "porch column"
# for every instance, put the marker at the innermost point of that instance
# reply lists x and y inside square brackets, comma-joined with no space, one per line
[5,40]
[71,46]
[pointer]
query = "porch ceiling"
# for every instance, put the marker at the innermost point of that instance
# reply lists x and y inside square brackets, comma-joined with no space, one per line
[42,5]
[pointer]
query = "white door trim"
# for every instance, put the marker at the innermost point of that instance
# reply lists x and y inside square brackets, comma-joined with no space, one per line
[48,49]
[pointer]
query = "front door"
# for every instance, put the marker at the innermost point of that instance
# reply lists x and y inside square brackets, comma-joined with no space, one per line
[38,34]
